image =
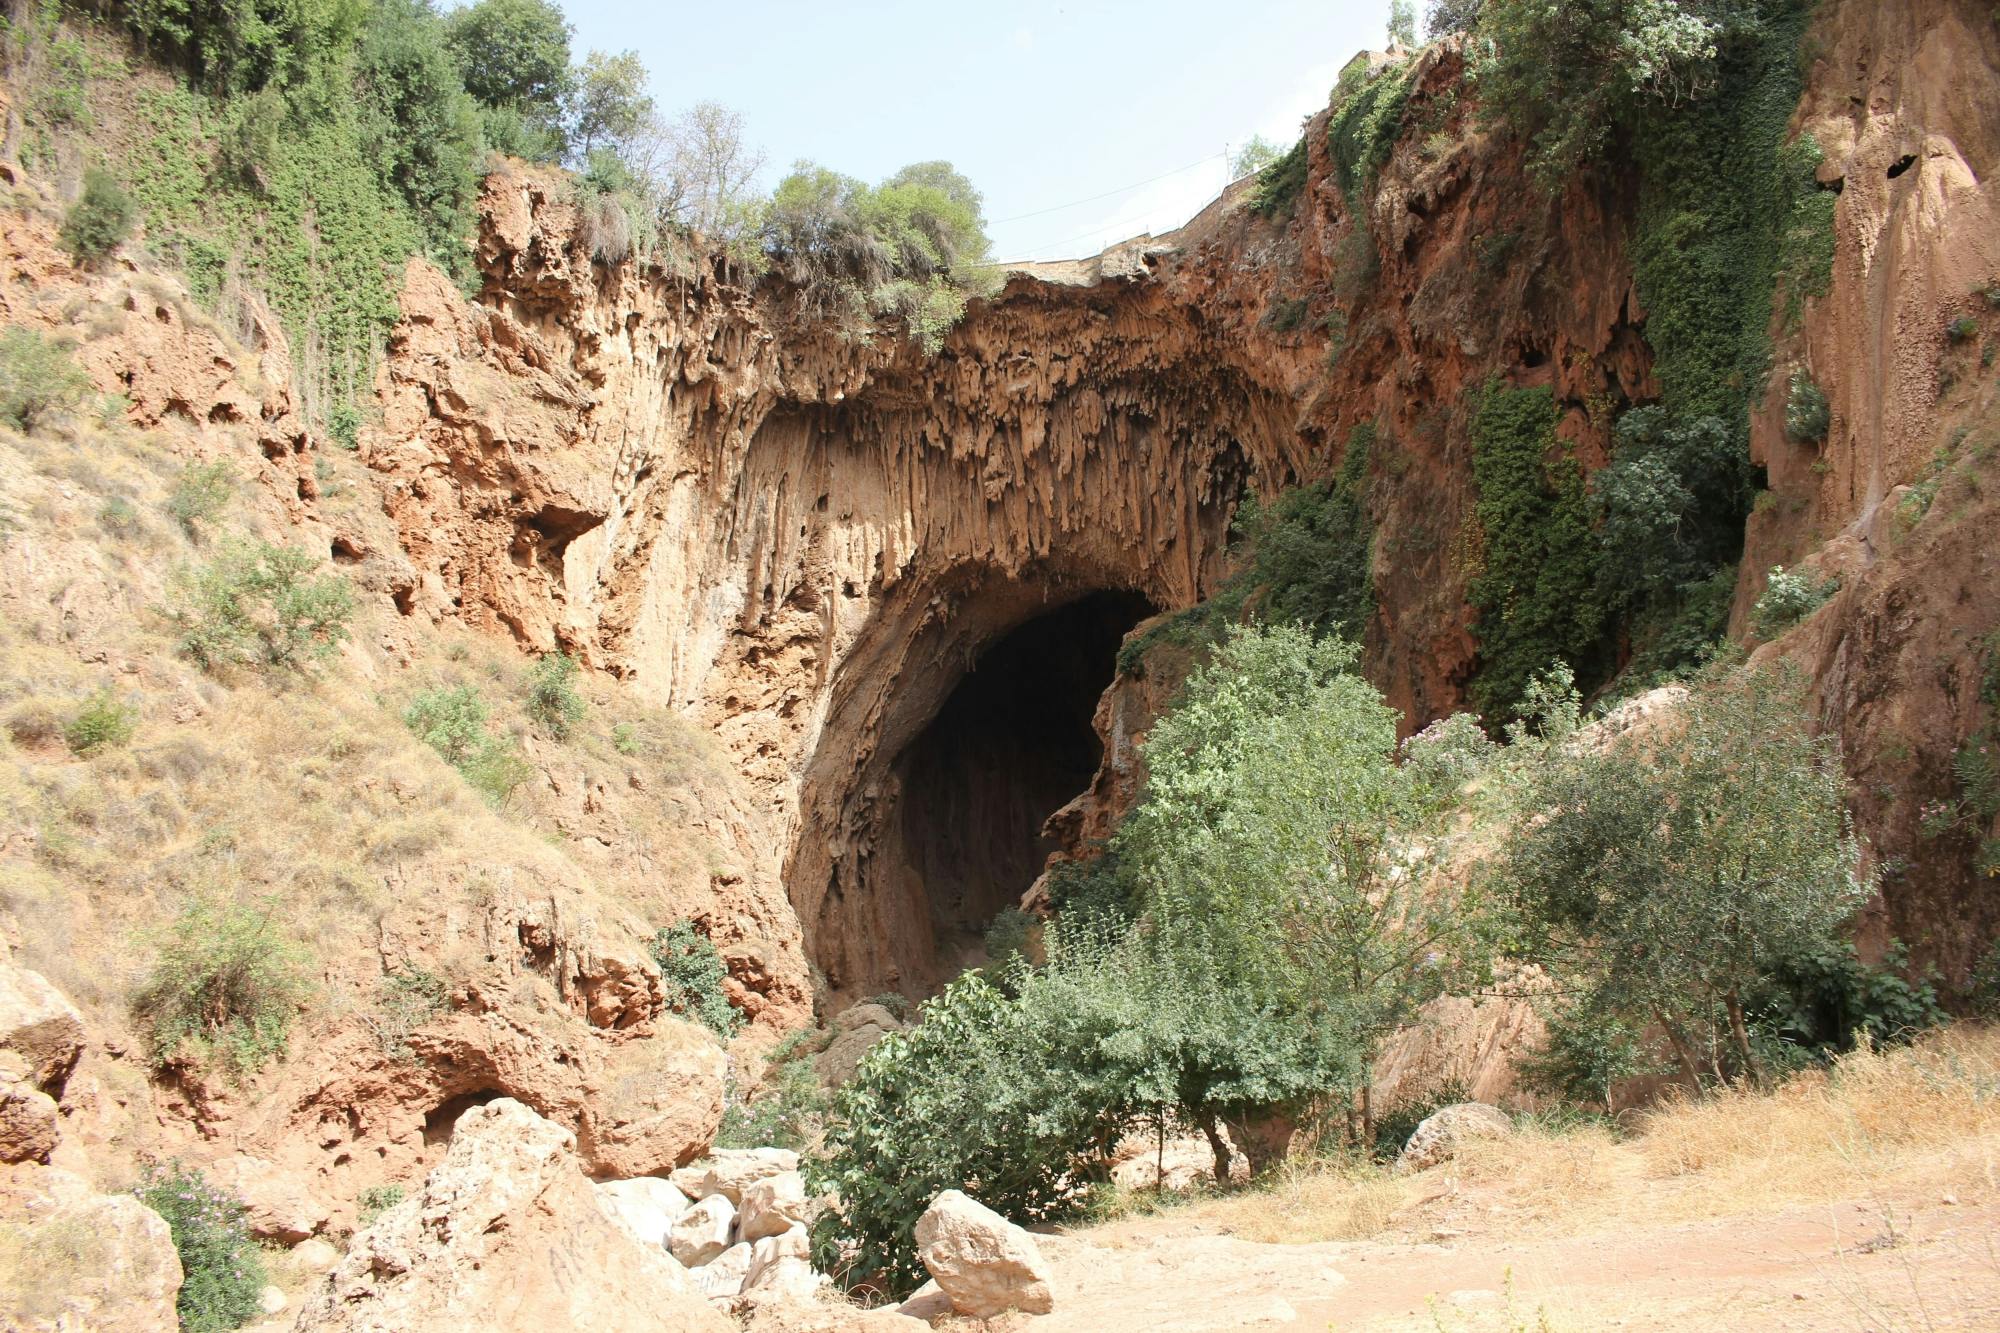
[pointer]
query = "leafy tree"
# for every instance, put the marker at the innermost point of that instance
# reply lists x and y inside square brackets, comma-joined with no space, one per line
[226,986]
[255,605]
[514,54]
[1403,23]
[1253,157]
[1564,76]
[552,698]
[1670,504]
[1665,880]
[39,380]
[420,128]
[705,172]
[243,45]
[102,217]
[452,721]
[200,494]
[609,105]
[1450,16]
[222,1269]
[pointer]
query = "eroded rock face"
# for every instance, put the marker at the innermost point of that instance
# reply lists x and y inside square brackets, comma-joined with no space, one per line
[985,1265]
[74,1259]
[505,1235]
[39,1025]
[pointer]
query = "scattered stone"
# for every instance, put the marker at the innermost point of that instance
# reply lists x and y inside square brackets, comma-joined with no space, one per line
[985,1264]
[647,1207]
[722,1276]
[315,1255]
[789,1277]
[30,1120]
[506,1236]
[792,1244]
[275,1205]
[773,1206]
[730,1171]
[703,1231]
[271,1300]
[928,1303]
[1441,1134]
[37,1022]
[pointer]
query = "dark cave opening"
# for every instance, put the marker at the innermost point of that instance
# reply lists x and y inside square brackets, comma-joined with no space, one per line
[1012,745]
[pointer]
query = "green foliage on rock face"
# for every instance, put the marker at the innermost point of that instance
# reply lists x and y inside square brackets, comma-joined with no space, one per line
[1807,414]
[553,701]
[1666,881]
[1536,585]
[1670,506]
[693,972]
[222,1268]
[225,987]
[452,721]
[1364,128]
[258,605]
[100,219]
[374,1201]
[39,380]
[788,1114]
[1787,599]
[1280,183]
[1314,549]
[911,250]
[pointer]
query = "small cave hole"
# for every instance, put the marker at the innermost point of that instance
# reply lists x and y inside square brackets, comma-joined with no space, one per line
[443,1118]
[1013,744]
[1903,164]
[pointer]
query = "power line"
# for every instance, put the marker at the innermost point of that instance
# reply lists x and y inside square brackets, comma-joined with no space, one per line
[1077,203]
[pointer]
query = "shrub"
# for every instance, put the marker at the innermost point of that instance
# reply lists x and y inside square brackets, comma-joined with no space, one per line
[254,605]
[119,515]
[693,972]
[374,1201]
[626,740]
[1807,415]
[1963,329]
[552,700]
[200,494]
[1314,549]
[99,220]
[1669,506]
[1449,16]
[343,423]
[1820,1002]
[1787,599]
[225,988]
[789,1114]
[452,721]
[1280,182]
[104,721]
[405,1001]
[38,380]
[222,1269]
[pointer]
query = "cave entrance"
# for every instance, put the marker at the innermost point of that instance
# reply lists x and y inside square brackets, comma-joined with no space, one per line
[1012,744]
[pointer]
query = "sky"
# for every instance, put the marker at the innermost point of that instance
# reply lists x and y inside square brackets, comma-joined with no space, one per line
[1082,124]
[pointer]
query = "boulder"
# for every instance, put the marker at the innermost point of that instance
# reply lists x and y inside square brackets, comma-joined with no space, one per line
[703,1231]
[1442,1132]
[790,1278]
[271,1300]
[766,1253]
[30,1120]
[985,1264]
[93,1261]
[722,1277]
[647,1207]
[506,1236]
[657,1103]
[773,1206]
[855,1031]
[276,1205]
[730,1171]
[315,1256]
[43,1027]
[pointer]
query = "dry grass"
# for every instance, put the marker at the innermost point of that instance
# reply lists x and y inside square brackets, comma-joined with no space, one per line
[1921,1114]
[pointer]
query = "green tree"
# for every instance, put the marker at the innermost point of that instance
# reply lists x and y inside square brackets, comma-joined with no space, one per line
[552,698]
[514,54]
[1253,157]
[693,972]
[39,380]
[1403,23]
[100,219]
[1665,880]
[256,604]
[421,129]
[609,105]
[1670,505]
[1450,16]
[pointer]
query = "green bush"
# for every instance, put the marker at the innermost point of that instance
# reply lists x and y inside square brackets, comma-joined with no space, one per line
[222,1268]
[1669,506]
[789,1114]
[374,1201]
[225,988]
[38,379]
[1313,549]
[626,740]
[1280,183]
[1787,599]
[1808,416]
[1963,329]
[200,494]
[1818,1003]
[452,721]
[693,972]
[1537,584]
[255,605]
[405,1001]
[552,699]
[100,219]
[343,423]
[104,721]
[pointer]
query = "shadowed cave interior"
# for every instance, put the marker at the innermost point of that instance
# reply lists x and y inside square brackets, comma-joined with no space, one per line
[1012,744]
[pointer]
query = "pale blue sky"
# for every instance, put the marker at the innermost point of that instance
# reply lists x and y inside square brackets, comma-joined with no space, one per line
[1042,104]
